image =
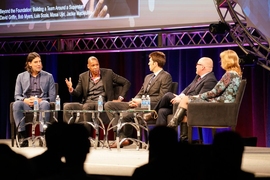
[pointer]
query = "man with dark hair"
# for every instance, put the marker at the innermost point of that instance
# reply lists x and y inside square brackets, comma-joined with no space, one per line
[155,85]
[33,82]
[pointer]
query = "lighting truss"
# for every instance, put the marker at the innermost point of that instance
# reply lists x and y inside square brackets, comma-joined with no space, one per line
[249,39]
[184,38]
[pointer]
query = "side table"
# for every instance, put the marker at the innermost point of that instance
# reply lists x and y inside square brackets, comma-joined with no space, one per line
[96,123]
[34,123]
[139,124]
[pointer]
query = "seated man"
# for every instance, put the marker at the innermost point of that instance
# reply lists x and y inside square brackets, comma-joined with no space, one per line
[93,83]
[155,85]
[204,81]
[33,82]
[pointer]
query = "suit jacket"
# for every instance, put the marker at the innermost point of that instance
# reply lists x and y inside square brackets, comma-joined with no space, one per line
[159,86]
[207,83]
[47,86]
[108,78]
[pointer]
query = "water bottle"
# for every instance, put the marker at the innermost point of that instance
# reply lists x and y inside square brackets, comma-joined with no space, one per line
[143,105]
[148,102]
[57,103]
[100,103]
[36,107]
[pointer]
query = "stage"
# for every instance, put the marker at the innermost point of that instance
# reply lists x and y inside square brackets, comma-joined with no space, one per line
[102,161]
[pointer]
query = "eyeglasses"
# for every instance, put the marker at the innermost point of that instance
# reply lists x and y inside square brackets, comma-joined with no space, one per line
[199,64]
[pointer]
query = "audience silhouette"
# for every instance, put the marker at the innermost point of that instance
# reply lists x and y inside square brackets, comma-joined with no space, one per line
[227,155]
[77,146]
[74,147]
[13,165]
[171,160]
[162,150]
[50,162]
[69,144]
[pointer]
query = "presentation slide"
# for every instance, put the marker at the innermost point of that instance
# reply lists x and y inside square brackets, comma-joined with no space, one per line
[58,17]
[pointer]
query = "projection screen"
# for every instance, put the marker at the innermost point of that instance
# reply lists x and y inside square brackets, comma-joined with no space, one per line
[58,17]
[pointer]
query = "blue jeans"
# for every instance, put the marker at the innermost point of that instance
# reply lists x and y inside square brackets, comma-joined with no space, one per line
[20,106]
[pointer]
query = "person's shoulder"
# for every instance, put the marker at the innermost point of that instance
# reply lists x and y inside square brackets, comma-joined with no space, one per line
[105,70]
[83,73]
[165,72]
[45,73]
[211,75]
[23,73]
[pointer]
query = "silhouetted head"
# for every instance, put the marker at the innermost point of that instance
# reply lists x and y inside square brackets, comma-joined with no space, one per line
[77,144]
[162,141]
[54,137]
[228,149]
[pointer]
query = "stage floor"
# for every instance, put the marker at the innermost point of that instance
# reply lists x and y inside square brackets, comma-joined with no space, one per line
[102,161]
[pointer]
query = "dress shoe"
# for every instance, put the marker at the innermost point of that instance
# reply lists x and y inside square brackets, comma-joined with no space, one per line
[124,143]
[40,142]
[150,116]
[24,143]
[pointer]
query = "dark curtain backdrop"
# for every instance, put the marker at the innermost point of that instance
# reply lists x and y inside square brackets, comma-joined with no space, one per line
[253,117]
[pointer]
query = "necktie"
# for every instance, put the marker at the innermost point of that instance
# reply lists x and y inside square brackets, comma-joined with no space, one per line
[149,84]
[192,88]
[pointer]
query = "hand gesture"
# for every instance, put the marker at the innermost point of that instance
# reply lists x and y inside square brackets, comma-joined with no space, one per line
[98,11]
[69,84]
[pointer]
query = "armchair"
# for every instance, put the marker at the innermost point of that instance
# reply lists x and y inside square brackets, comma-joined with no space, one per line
[215,115]
[28,117]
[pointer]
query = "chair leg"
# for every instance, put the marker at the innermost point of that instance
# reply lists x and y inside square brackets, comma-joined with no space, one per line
[214,131]
[12,133]
[200,135]
[190,134]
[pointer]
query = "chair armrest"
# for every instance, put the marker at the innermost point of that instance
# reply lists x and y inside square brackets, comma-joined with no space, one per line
[212,114]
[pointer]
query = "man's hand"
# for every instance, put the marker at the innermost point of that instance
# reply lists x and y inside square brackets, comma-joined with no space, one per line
[29,101]
[69,84]
[177,99]
[135,102]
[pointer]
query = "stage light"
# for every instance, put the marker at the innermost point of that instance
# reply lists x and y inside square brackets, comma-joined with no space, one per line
[247,60]
[219,28]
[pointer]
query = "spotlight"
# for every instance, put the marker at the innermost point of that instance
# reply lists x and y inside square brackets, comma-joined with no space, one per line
[247,60]
[219,28]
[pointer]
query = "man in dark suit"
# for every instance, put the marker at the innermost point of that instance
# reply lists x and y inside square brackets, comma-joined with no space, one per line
[97,81]
[204,81]
[155,85]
